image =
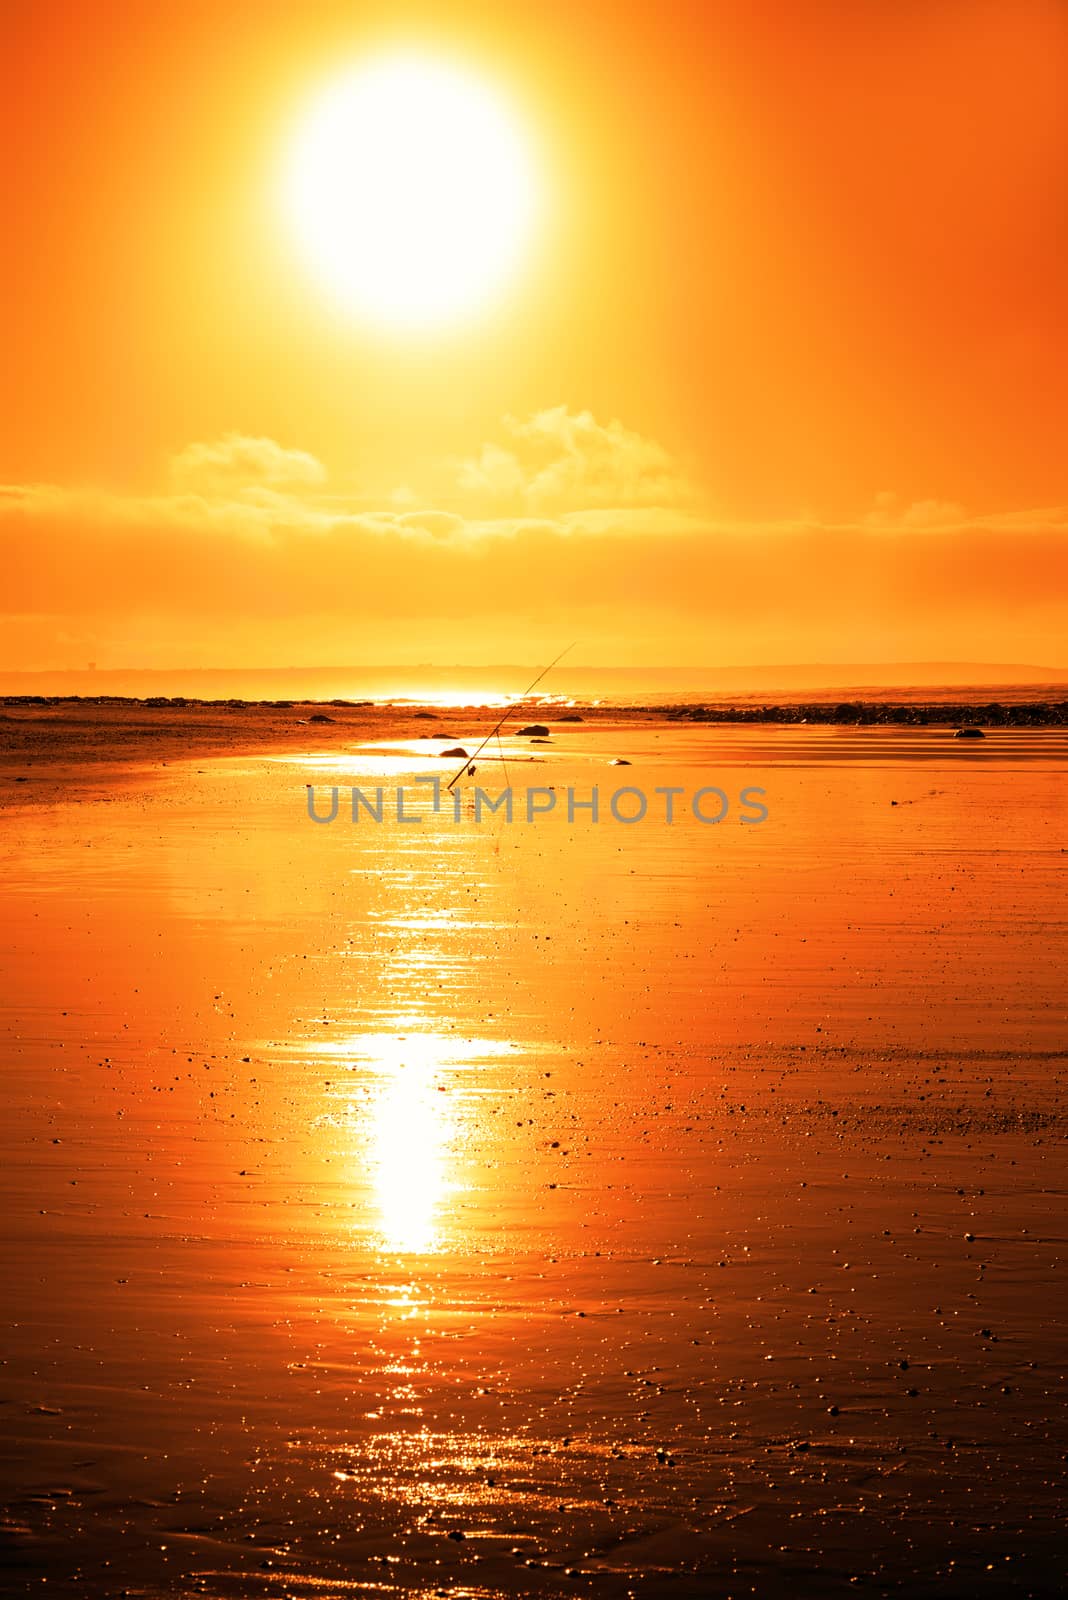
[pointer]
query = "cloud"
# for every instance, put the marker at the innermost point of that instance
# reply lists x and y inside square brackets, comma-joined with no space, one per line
[237,463]
[261,556]
[70,552]
[439,524]
[889,511]
[563,460]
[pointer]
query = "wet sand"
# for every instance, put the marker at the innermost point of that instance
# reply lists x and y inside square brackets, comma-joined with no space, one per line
[483,1210]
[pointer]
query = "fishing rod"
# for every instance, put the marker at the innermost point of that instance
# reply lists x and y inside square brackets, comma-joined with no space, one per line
[469,760]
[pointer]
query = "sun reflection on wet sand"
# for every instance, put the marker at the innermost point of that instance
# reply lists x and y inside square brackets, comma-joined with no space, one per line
[410,1106]
[411,1129]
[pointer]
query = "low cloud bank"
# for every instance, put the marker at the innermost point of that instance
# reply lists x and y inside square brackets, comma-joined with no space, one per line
[601,524]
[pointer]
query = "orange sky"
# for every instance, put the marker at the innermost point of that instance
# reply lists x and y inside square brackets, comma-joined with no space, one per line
[783,378]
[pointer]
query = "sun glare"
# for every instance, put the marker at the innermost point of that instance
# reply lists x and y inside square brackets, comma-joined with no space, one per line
[411,1128]
[411,191]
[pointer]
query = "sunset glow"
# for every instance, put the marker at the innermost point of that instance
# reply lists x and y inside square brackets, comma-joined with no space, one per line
[348,338]
[534,776]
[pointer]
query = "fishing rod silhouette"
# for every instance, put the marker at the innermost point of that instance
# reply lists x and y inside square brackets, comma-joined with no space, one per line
[469,761]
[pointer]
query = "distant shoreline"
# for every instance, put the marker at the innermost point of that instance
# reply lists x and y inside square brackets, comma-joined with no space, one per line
[860,711]
[426,682]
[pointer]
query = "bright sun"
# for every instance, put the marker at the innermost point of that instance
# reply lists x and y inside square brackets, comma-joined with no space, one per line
[411,190]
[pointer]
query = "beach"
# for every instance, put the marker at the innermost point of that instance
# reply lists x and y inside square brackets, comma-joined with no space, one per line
[478,1208]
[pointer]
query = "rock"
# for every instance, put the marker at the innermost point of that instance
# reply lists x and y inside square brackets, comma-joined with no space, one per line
[969,733]
[619,761]
[572,716]
[320,716]
[534,730]
[455,750]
